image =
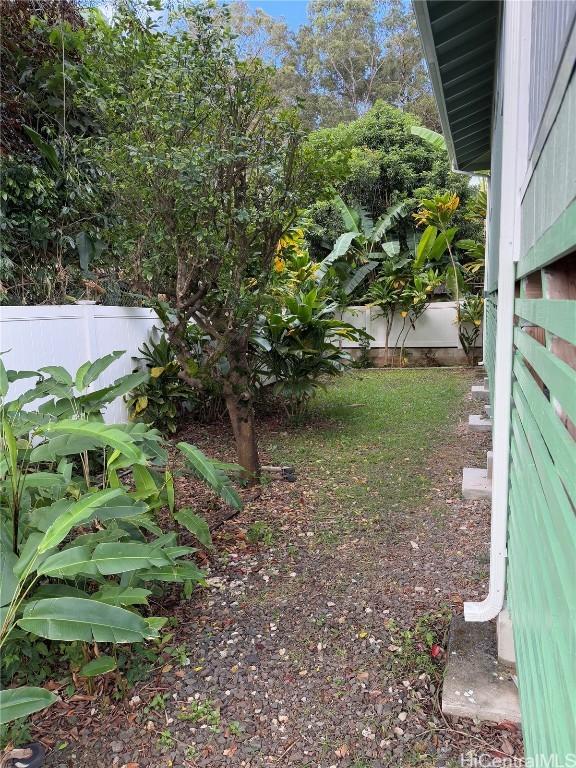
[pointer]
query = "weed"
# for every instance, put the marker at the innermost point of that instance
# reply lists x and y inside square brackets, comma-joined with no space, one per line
[201,712]
[235,728]
[260,533]
[165,739]
[179,653]
[17,733]
[157,703]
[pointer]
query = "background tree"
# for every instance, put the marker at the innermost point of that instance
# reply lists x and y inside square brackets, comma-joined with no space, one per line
[209,172]
[385,164]
[348,55]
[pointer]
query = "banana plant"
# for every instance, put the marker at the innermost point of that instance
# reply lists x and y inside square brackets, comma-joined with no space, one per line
[363,247]
[79,542]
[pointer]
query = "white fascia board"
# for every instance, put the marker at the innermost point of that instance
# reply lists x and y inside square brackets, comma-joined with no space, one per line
[425,29]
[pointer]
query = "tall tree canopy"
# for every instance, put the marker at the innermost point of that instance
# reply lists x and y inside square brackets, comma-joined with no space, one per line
[209,172]
[348,55]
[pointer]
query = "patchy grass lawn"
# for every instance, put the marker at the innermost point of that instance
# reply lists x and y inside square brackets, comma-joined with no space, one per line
[367,440]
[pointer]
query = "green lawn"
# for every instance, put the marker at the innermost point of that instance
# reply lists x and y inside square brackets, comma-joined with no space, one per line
[366,441]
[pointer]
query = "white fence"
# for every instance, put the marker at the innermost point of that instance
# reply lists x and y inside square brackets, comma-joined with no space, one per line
[32,337]
[435,328]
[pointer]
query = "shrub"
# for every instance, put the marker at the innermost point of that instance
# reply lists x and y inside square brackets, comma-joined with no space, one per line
[298,347]
[164,400]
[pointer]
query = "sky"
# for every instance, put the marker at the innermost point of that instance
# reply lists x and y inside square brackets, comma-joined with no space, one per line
[293,12]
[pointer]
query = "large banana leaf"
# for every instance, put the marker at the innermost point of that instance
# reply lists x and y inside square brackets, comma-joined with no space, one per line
[350,217]
[341,247]
[8,581]
[74,618]
[63,445]
[21,702]
[104,434]
[386,221]
[178,572]
[211,473]
[58,373]
[89,372]
[123,385]
[114,594]
[106,559]
[435,139]
[76,513]
[358,276]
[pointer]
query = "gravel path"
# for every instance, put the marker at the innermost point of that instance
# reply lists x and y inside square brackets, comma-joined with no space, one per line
[309,650]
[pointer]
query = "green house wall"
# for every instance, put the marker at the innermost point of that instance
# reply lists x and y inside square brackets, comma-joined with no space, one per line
[541,573]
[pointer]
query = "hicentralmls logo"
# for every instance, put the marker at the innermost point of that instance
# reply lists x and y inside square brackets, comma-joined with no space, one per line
[538,761]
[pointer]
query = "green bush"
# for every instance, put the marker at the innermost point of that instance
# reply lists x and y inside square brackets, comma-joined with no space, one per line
[298,347]
[164,400]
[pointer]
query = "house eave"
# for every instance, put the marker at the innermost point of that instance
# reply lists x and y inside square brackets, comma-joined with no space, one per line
[454,34]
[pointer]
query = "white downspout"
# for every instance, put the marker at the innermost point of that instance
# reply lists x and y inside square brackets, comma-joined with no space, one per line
[516,42]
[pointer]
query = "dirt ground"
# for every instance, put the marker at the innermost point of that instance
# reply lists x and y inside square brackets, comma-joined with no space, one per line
[318,641]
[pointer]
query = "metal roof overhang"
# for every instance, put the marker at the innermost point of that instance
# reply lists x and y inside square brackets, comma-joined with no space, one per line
[460,44]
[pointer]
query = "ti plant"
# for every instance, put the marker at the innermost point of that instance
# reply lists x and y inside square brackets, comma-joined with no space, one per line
[80,547]
[470,314]
[297,347]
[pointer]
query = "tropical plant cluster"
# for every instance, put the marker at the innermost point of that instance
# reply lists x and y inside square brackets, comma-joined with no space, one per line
[82,550]
[158,149]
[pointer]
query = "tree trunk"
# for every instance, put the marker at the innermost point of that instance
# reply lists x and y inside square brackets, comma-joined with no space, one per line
[238,398]
[241,416]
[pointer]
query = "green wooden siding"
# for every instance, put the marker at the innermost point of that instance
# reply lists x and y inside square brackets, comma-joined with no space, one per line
[541,551]
[549,204]
[541,574]
[490,310]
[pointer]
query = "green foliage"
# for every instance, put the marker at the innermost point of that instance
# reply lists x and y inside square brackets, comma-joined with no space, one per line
[260,533]
[53,210]
[77,533]
[470,316]
[299,347]
[164,400]
[387,165]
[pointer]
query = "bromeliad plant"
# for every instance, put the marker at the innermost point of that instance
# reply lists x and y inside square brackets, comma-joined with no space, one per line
[79,542]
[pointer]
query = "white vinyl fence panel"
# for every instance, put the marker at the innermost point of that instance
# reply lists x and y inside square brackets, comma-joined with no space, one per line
[32,337]
[436,327]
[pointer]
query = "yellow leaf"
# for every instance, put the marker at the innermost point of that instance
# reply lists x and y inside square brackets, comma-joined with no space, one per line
[141,404]
[157,371]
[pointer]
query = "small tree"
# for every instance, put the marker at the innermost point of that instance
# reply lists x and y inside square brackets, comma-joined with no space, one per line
[211,174]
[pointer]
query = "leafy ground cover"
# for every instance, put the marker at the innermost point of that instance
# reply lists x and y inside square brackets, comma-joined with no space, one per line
[318,639]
